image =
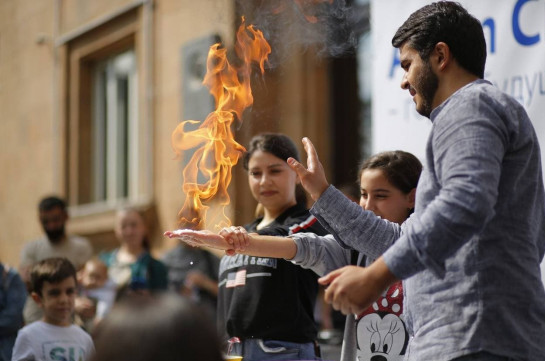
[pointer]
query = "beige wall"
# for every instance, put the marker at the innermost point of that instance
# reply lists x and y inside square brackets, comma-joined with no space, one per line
[33,138]
[27,130]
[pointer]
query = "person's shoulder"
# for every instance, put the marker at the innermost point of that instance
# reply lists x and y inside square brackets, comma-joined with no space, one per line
[482,90]
[108,257]
[35,244]
[79,240]
[78,330]
[309,224]
[33,251]
[30,328]
[172,255]
[157,263]
[252,226]
[7,272]
[484,98]
[12,278]
[296,217]
[301,220]
[293,214]
[152,262]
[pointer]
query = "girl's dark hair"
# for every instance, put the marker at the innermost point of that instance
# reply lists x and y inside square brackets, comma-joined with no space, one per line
[280,146]
[164,327]
[401,169]
[448,22]
[277,144]
[52,270]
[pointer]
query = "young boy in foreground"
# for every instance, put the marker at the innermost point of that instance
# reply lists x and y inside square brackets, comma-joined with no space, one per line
[54,337]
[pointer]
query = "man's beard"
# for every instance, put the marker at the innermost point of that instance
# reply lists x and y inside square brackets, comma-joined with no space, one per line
[426,84]
[55,235]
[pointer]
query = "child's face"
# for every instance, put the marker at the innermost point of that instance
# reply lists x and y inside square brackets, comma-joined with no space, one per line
[94,275]
[57,301]
[382,198]
[272,182]
[130,228]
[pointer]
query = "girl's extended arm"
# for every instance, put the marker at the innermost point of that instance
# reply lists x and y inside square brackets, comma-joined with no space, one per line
[235,240]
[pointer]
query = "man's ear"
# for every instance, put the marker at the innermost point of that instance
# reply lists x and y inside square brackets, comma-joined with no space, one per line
[442,55]
[37,298]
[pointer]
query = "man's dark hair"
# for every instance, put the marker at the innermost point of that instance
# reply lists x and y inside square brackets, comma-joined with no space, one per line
[52,270]
[447,22]
[48,203]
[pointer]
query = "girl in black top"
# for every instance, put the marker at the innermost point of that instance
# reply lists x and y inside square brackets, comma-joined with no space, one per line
[268,303]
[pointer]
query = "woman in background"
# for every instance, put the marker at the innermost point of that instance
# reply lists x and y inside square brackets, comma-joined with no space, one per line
[131,266]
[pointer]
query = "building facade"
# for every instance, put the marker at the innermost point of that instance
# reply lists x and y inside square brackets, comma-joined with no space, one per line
[91,92]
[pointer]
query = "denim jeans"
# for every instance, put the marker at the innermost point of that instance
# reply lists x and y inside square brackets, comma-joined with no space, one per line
[263,350]
[482,356]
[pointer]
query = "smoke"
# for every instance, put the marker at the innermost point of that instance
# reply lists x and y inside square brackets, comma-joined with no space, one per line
[328,28]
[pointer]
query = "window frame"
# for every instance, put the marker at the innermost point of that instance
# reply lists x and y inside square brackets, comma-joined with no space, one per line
[82,54]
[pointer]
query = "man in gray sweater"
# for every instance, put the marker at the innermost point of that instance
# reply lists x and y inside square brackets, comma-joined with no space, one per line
[470,254]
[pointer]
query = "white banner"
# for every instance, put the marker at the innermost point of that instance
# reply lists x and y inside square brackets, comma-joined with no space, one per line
[515,36]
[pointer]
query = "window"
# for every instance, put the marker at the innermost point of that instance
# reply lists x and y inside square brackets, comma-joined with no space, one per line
[115,148]
[109,130]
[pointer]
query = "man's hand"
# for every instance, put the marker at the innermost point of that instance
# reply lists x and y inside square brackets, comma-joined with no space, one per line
[312,178]
[353,289]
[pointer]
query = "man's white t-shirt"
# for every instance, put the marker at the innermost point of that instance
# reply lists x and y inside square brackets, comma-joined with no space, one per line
[77,249]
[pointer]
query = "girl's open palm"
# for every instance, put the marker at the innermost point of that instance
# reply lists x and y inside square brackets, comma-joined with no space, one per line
[199,238]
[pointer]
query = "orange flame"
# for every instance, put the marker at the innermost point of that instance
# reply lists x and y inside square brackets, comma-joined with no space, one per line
[217,149]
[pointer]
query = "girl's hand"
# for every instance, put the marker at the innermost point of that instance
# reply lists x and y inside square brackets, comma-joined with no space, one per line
[313,177]
[199,238]
[237,237]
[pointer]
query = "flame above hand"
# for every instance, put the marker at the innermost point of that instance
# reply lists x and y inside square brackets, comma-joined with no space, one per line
[216,149]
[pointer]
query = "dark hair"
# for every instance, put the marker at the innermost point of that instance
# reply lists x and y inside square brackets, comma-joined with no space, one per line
[52,270]
[351,190]
[401,169]
[447,22]
[280,146]
[277,144]
[164,327]
[48,203]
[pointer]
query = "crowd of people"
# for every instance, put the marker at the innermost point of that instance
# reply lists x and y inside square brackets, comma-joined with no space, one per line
[439,261]
[64,290]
